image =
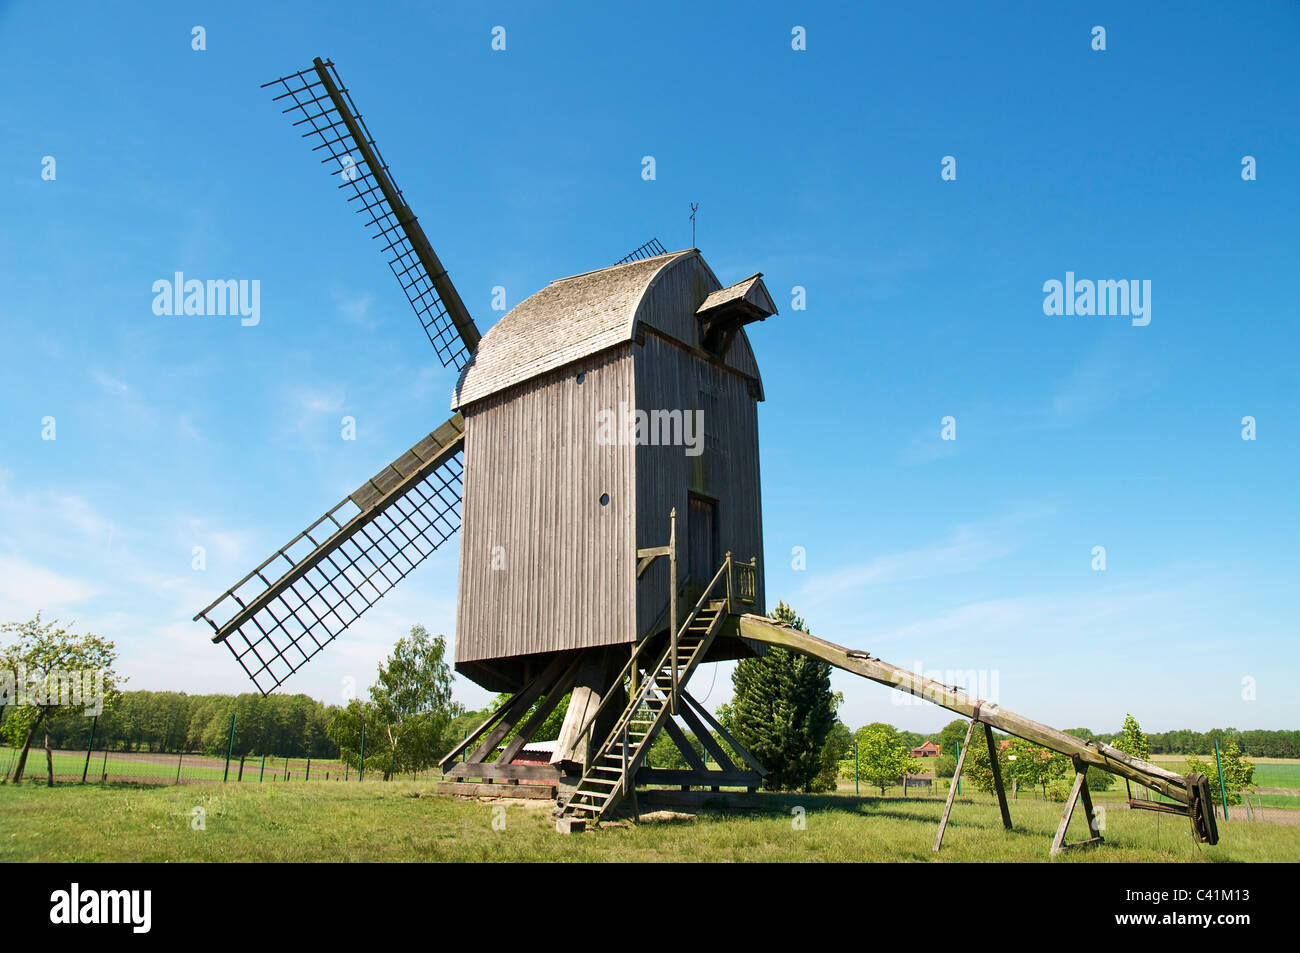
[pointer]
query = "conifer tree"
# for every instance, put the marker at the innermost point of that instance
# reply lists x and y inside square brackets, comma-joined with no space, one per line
[783,710]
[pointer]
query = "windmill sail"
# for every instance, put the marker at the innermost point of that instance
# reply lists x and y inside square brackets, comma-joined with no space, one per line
[649,250]
[310,590]
[319,103]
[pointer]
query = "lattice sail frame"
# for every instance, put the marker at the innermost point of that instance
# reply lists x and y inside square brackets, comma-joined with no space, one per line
[649,250]
[319,101]
[342,564]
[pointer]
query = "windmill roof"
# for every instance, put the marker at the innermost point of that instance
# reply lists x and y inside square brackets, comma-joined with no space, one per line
[566,321]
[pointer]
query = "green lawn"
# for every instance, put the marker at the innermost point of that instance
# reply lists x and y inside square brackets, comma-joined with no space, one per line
[403,821]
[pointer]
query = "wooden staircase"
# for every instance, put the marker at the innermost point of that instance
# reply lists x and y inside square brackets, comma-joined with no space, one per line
[611,772]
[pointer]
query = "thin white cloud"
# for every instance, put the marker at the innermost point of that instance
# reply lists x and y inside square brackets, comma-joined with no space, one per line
[26,588]
[1113,372]
[967,548]
[311,414]
[110,384]
[926,446]
[355,310]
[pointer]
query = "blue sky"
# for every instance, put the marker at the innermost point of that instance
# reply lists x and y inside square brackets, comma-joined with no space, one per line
[820,168]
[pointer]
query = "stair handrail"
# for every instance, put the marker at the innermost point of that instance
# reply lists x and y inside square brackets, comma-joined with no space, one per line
[724,569]
[645,557]
[637,700]
[609,695]
[742,587]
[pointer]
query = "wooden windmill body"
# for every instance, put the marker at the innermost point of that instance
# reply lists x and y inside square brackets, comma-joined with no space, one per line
[604,414]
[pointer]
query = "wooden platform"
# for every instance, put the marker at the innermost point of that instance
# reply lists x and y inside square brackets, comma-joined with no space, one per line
[540,792]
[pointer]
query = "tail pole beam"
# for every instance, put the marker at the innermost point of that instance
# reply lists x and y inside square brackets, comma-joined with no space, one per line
[1185,791]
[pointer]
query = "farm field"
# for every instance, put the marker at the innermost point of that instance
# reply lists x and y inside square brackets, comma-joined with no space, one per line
[1277,778]
[149,767]
[404,821]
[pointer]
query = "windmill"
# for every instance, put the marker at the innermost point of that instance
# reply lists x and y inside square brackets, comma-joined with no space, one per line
[558,597]
[601,464]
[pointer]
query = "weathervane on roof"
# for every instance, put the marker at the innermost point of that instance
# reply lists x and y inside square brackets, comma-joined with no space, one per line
[694,207]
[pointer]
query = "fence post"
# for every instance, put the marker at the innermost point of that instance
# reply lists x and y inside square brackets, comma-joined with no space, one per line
[90,744]
[286,767]
[1223,792]
[308,778]
[856,789]
[361,763]
[179,759]
[241,767]
[230,747]
[103,768]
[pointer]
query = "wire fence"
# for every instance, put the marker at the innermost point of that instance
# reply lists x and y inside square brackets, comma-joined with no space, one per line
[101,766]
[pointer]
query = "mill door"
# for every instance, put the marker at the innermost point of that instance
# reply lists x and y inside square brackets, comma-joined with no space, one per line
[703,550]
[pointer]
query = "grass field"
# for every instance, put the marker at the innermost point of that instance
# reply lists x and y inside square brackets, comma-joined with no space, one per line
[403,821]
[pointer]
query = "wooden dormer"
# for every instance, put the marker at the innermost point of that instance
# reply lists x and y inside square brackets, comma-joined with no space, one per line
[727,310]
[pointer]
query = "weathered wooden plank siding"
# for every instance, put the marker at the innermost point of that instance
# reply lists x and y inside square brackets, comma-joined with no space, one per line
[667,378]
[669,305]
[534,474]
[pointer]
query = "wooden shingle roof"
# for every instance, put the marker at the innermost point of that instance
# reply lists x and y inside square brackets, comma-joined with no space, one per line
[751,290]
[566,321]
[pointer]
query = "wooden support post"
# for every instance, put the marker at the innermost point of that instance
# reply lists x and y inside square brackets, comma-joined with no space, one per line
[554,694]
[710,743]
[1080,788]
[997,778]
[590,687]
[625,778]
[672,603]
[1084,793]
[1058,842]
[952,790]
[684,746]
[716,725]
[515,709]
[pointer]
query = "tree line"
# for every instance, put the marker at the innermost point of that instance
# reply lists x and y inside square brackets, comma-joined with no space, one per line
[173,722]
[295,726]
[1257,743]
[783,711]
